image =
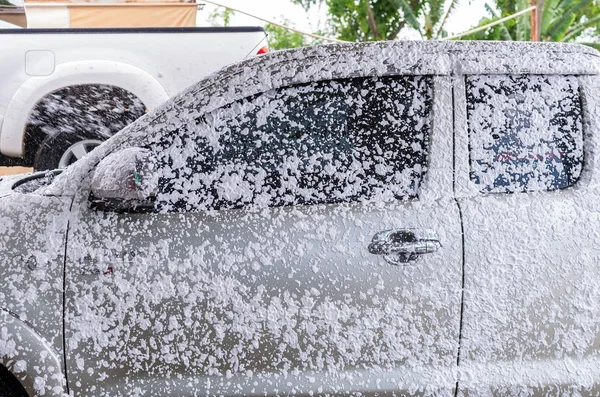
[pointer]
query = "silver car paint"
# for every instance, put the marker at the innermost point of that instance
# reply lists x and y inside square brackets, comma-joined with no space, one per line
[33,231]
[36,364]
[540,270]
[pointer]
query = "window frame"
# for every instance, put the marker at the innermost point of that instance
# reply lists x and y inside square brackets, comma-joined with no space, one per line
[440,92]
[464,185]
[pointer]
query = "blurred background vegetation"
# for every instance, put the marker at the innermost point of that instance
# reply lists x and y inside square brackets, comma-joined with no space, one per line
[575,21]
[559,20]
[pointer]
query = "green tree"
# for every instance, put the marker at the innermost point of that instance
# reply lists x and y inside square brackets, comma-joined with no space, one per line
[372,20]
[6,3]
[561,20]
[362,20]
[281,38]
[219,17]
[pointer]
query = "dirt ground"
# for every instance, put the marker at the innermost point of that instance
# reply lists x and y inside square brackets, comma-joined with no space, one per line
[14,170]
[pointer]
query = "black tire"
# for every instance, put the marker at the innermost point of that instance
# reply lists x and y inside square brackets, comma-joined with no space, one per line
[9,385]
[53,148]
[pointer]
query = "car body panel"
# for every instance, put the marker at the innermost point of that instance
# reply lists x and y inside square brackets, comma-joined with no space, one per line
[33,261]
[531,277]
[36,364]
[33,232]
[6,184]
[285,294]
[279,297]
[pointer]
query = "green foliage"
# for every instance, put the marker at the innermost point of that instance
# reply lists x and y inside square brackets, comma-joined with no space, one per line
[219,17]
[280,38]
[561,20]
[371,20]
[6,3]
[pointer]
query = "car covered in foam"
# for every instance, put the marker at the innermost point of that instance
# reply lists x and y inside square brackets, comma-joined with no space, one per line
[395,218]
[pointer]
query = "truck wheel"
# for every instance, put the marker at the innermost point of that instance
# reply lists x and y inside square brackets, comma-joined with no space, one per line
[85,114]
[63,149]
[9,385]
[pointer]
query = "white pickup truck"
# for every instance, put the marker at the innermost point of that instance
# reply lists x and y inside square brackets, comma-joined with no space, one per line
[63,91]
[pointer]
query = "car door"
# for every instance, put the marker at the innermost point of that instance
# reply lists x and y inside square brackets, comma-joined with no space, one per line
[529,183]
[304,240]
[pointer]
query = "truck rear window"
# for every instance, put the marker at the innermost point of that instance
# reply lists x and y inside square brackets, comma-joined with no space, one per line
[525,132]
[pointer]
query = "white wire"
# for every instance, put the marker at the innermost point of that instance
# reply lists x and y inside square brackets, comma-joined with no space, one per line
[489,25]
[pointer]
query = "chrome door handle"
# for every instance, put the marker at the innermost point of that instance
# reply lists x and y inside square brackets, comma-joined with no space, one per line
[403,245]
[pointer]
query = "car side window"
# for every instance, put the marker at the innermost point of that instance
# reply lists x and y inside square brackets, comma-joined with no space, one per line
[525,132]
[319,143]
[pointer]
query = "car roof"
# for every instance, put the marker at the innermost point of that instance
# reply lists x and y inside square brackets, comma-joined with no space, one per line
[337,61]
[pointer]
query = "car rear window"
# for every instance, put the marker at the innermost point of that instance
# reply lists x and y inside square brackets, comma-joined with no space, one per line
[525,132]
[323,142]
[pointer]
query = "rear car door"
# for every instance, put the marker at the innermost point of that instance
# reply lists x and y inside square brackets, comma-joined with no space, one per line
[304,240]
[530,217]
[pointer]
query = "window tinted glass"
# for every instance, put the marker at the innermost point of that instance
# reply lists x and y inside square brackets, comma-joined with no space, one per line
[525,132]
[326,142]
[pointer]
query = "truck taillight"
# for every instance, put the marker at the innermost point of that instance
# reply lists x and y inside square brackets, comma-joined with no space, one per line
[263,50]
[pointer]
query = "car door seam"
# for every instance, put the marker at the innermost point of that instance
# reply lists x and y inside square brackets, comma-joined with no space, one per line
[462,230]
[64,298]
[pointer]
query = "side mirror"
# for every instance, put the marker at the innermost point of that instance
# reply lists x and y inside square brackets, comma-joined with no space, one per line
[125,181]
